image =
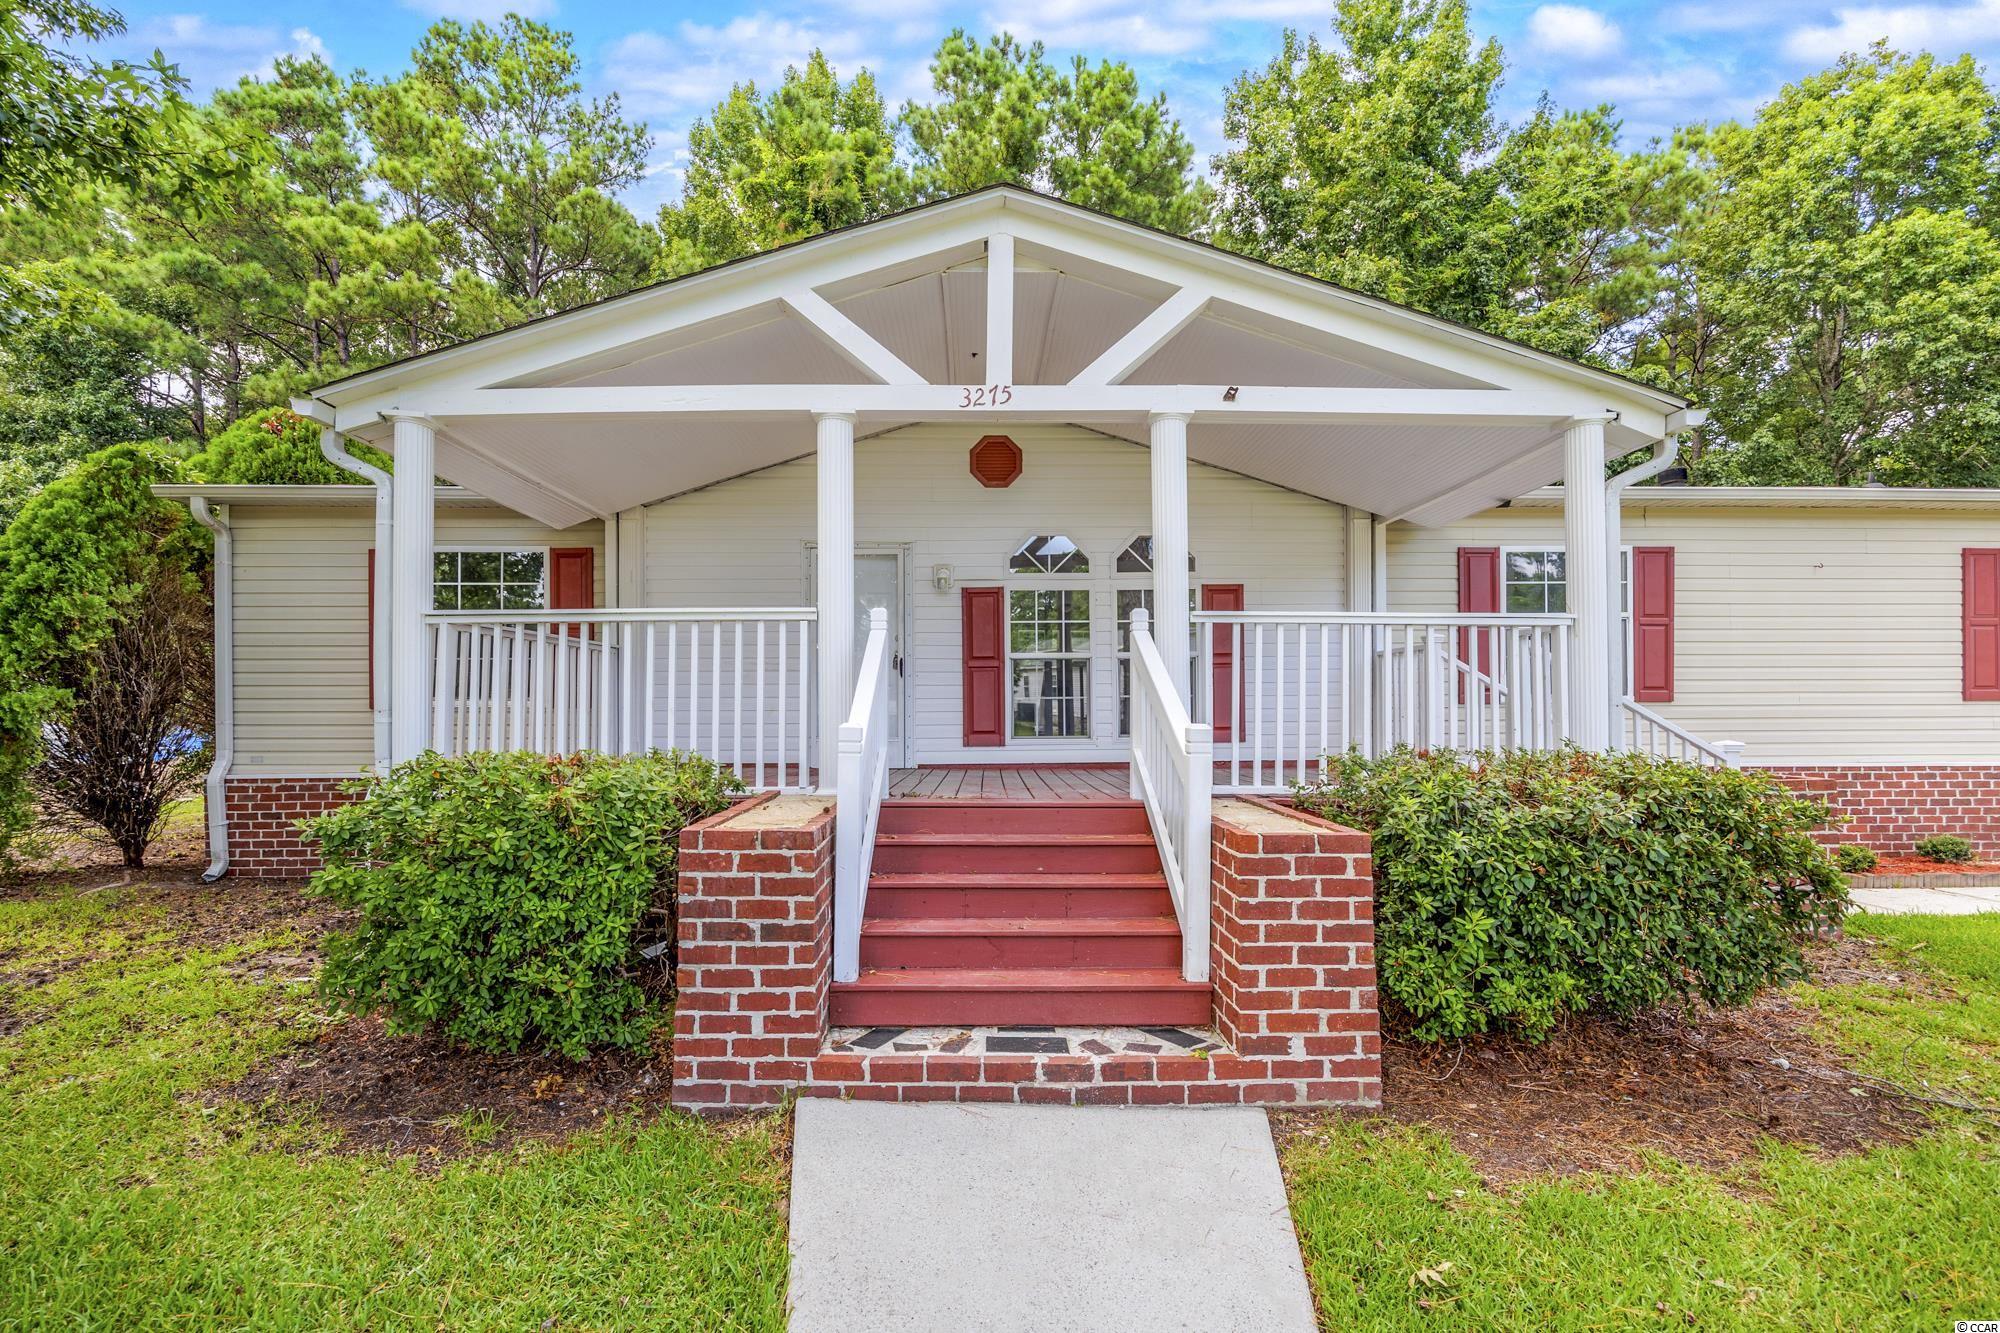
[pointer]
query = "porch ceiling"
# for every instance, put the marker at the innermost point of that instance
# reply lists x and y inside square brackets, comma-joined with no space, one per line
[1342,397]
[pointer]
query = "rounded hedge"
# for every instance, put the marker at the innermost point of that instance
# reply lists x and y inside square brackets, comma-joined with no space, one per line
[500,894]
[1524,887]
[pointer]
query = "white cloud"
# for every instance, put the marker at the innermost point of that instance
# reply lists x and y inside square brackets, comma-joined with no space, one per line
[686,72]
[1572,30]
[1945,29]
[215,55]
[488,11]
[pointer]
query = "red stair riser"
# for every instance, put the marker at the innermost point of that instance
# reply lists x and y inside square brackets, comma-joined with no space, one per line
[973,901]
[979,817]
[1053,856]
[851,1008]
[1020,951]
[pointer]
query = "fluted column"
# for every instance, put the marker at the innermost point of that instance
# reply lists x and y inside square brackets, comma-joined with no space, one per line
[1170,544]
[835,594]
[415,524]
[1587,565]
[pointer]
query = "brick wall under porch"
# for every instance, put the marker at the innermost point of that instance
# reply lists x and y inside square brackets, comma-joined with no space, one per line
[1889,806]
[1293,969]
[264,814]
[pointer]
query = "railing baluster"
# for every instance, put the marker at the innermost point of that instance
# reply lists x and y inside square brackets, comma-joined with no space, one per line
[652,720]
[736,706]
[715,694]
[1277,709]
[760,704]
[1257,709]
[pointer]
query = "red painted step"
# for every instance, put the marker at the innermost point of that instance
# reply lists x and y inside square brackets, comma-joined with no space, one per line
[1018,942]
[915,997]
[906,815]
[1016,853]
[1043,895]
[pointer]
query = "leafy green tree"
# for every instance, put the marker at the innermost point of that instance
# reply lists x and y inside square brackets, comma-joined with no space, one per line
[103,682]
[811,155]
[276,447]
[488,140]
[1370,161]
[1854,273]
[66,119]
[1003,113]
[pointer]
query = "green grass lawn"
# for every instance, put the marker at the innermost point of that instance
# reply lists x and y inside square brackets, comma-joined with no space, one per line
[125,1203]
[1399,1232]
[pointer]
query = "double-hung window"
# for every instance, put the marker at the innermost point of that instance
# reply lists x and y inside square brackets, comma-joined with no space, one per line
[1048,639]
[490,580]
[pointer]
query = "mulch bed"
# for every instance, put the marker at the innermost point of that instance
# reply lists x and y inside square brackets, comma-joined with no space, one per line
[402,1094]
[1924,865]
[1703,1086]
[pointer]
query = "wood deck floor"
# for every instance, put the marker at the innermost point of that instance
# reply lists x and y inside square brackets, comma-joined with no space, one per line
[1012,782]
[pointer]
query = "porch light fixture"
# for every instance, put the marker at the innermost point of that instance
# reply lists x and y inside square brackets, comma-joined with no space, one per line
[996,462]
[941,577]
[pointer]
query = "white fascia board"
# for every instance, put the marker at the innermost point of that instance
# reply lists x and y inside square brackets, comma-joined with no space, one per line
[1254,404]
[1788,497]
[337,494]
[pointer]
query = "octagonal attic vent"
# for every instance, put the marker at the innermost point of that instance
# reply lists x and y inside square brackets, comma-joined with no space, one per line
[996,461]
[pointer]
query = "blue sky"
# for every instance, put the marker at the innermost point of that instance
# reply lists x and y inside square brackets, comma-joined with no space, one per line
[1660,64]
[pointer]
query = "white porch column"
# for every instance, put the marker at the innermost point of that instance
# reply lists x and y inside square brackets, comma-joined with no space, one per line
[1170,544]
[836,583]
[413,509]
[1587,566]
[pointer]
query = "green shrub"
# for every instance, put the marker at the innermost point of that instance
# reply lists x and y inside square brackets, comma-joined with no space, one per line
[500,893]
[1537,885]
[1945,847]
[1855,859]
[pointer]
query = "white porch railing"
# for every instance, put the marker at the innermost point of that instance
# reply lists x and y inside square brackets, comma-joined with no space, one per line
[861,780]
[1637,727]
[733,684]
[1284,690]
[1172,773]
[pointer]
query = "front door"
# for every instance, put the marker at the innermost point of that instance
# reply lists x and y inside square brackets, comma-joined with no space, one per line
[878,581]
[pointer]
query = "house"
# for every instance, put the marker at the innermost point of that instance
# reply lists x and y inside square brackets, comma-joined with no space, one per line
[1042,543]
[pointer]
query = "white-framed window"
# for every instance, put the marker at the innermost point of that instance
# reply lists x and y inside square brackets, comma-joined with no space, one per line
[487,578]
[1533,582]
[1131,594]
[1048,639]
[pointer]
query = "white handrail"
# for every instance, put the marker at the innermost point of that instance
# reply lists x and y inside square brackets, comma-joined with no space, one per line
[732,683]
[1284,690]
[861,780]
[1173,768]
[1640,728]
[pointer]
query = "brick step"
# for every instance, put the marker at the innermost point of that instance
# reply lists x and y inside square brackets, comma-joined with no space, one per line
[1016,853]
[915,815]
[1020,942]
[1094,996]
[975,894]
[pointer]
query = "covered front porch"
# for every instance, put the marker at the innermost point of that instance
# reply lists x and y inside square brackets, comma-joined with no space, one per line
[818,456]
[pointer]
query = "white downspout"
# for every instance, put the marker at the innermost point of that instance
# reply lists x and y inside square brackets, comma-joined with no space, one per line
[334,447]
[214,786]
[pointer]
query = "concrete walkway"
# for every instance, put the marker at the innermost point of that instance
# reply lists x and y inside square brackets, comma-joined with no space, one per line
[938,1216]
[1959,900]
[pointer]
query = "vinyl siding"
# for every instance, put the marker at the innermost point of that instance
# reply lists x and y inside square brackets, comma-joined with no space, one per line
[301,640]
[746,543]
[1815,636]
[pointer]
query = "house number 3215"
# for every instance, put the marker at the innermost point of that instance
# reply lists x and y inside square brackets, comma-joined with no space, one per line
[987,395]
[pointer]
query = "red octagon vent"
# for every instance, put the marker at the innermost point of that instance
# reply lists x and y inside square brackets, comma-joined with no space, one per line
[996,461]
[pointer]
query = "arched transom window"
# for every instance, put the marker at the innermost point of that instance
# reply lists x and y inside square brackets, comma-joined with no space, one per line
[1051,554]
[1136,559]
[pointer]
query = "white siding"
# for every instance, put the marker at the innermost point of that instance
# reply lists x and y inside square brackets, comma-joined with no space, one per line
[302,627]
[1815,636]
[745,543]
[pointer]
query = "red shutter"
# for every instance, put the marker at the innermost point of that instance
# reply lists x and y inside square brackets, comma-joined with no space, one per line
[983,643]
[371,629]
[572,580]
[1478,594]
[1653,624]
[1982,624]
[1223,597]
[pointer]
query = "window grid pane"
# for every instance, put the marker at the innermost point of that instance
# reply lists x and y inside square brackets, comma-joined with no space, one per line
[489,581]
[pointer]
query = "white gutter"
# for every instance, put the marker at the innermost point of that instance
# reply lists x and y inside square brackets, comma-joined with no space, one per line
[335,449]
[225,689]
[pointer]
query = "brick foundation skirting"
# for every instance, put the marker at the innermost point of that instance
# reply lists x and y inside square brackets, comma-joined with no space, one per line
[1890,806]
[1294,975]
[264,841]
